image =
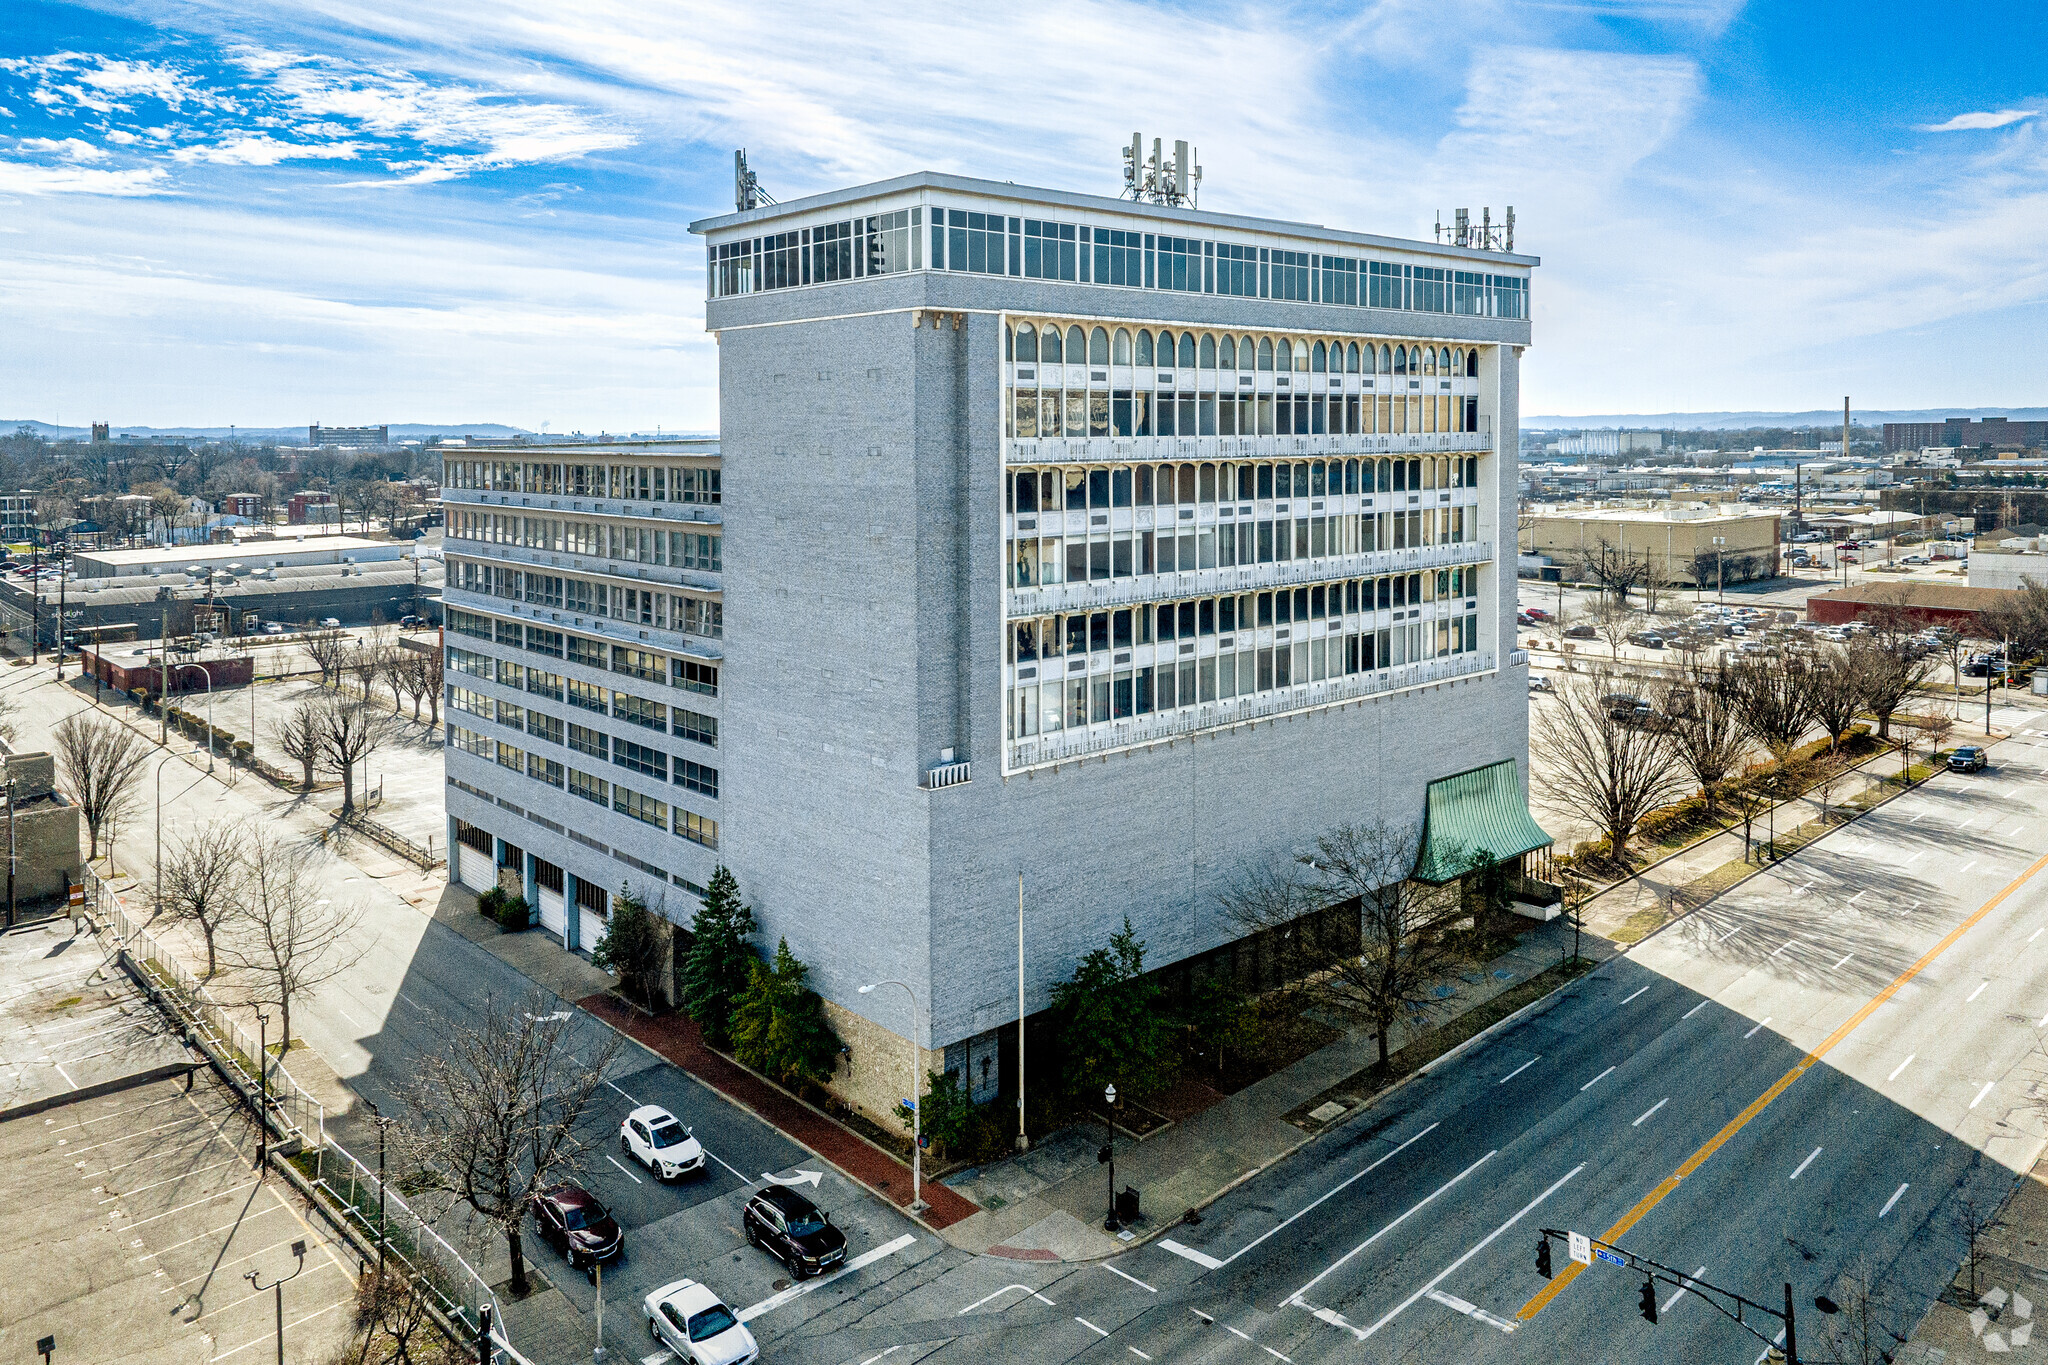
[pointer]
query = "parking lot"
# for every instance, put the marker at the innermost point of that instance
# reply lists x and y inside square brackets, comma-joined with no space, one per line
[134,1218]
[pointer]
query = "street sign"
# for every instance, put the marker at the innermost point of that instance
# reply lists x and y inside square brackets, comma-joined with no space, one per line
[1581,1247]
[1604,1254]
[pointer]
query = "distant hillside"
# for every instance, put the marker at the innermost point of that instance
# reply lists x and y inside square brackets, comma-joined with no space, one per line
[400,431]
[1737,421]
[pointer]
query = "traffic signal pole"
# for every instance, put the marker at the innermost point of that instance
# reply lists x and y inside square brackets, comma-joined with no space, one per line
[1727,1302]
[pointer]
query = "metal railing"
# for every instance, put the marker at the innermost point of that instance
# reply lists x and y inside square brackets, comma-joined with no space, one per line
[1109,449]
[1051,597]
[945,775]
[430,1261]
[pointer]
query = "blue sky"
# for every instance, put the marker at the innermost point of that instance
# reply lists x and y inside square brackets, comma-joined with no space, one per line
[386,210]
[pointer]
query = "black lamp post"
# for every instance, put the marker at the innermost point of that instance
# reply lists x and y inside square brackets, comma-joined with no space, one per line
[1110,1222]
[262,1090]
[277,1287]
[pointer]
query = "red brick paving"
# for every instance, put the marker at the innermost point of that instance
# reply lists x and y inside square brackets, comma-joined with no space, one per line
[678,1039]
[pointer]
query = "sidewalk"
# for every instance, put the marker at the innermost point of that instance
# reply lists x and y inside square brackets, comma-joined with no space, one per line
[2000,1318]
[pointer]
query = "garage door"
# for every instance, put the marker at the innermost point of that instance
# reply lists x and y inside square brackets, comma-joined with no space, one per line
[477,870]
[590,925]
[551,917]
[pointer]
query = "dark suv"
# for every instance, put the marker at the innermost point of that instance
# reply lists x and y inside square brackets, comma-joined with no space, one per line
[570,1219]
[1968,759]
[792,1230]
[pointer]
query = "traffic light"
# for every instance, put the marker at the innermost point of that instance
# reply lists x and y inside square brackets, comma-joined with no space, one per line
[1648,1307]
[1543,1257]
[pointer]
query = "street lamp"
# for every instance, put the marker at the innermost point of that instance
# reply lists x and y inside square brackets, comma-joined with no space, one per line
[917,1204]
[1110,1222]
[209,712]
[377,1117]
[277,1287]
[1720,568]
[160,830]
[262,1091]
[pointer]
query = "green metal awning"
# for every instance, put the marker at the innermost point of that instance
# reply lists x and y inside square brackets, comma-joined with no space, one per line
[1481,809]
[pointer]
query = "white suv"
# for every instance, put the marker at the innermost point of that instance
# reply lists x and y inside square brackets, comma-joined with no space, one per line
[652,1136]
[694,1323]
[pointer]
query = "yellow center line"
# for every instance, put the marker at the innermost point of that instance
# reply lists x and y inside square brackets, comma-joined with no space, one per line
[1763,1101]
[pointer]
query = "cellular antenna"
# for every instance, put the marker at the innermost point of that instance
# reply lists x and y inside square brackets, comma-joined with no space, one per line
[1156,179]
[1488,236]
[746,190]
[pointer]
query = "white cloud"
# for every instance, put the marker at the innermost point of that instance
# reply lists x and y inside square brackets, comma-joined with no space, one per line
[1962,123]
[19,178]
[121,136]
[71,148]
[260,149]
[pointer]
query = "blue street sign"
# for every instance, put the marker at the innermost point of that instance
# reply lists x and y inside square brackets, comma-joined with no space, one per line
[1604,1254]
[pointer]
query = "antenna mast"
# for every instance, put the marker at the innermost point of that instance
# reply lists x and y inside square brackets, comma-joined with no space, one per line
[746,190]
[1177,183]
[1488,236]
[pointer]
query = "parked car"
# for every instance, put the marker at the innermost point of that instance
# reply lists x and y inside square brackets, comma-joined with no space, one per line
[652,1136]
[1536,613]
[574,1222]
[1968,759]
[410,622]
[1647,639]
[1624,706]
[272,628]
[695,1323]
[1523,618]
[1540,685]
[790,1228]
[330,623]
[1581,633]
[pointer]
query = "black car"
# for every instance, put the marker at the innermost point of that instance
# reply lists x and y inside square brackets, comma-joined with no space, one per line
[571,1219]
[791,1229]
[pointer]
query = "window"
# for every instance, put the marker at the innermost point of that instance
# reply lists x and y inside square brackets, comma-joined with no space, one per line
[544,770]
[697,485]
[692,676]
[470,624]
[1290,276]
[700,616]
[543,726]
[589,653]
[1179,264]
[639,663]
[509,757]
[1237,270]
[691,725]
[640,758]
[1119,257]
[471,703]
[544,641]
[697,777]
[695,550]
[634,710]
[475,665]
[590,788]
[972,242]
[589,696]
[643,808]
[700,829]
[585,740]
[541,684]
[1049,252]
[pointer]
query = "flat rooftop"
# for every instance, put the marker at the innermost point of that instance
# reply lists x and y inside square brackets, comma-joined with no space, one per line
[179,555]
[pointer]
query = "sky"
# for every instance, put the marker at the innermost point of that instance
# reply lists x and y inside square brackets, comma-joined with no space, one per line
[351,211]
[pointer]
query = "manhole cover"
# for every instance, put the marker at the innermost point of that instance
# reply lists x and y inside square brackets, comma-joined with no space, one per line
[1327,1111]
[779,1286]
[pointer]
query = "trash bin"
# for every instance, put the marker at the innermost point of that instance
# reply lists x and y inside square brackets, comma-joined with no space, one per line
[1127,1205]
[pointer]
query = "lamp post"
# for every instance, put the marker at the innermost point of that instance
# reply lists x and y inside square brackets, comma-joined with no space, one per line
[917,1204]
[1720,568]
[209,712]
[160,829]
[276,1286]
[377,1117]
[1109,1221]
[262,1091]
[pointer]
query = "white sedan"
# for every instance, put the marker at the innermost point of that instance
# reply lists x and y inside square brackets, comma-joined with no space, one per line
[692,1321]
[652,1136]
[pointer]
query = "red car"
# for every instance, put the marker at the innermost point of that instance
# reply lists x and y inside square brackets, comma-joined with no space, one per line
[574,1222]
[1536,613]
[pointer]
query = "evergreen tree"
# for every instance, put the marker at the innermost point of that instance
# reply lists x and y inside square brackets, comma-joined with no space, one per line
[1112,1028]
[779,1026]
[634,937]
[713,971]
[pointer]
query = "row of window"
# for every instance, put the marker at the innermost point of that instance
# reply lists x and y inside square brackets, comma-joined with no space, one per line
[698,829]
[1032,413]
[1037,561]
[1099,698]
[1200,618]
[692,675]
[598,744]
[651,715]
[598,539]
[1048,343]
[642,606]
[625,482]
[1099,488]
[1032,248]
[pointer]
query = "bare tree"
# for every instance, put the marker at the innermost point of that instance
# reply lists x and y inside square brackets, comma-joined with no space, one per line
[1858,1327]
[327,649]
[1656,581]
[1705,730]
[1612,769]
[365,658]
[204,881]
[1937,728]
[1891,670]
[350,731]
[1773,701]
[433,673]
[1834,692]
[493,1112]
[1828,777]
[1975,1222]
[1617,571]
[392,1326]
[393,668]
[285,939]
[100,760]
[1616,623]
[298,734]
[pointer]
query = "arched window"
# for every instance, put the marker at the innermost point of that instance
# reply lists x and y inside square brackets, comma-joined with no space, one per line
[1266,352]
[1144,349]
[1049,348]
[1208,351]
[1187,350]
[1372,360]
[1123,346]
[1472,364]
[1245,353]
[1400,360]
[1227,353]
[1351,357]
[1027,342]
[1076,346]
[1098,347]
[1009,342]
[1428,361]
[1284,355]
[1443,360]
[1386,364]
[1319,361]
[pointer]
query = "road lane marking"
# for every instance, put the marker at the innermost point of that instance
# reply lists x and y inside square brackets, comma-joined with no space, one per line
[1911,856]
[1332,1268]
[1893,1200]
[1683,1285]
[1132,1278]
[1782,947]
[1902,1066]
[1098,1331]
[1974,994]
[1210,1262]
[1639,991]
[1275,1354]
[1760,1023]
[1966,867]
[1982,1093]
[1000,1292]
[1858,896]
[802,1287]
[1596,1080]
[1202,1259]
[1839,961]
[628,1098]
[353,1022]
[1966,824]
[1762,1102]
[2036,934]
[1804,1164]
[1520,1069]
[1228,1328]
[628,1174]
[650,1360]
[1694,1010]
[1138,1353]
[1651,1110]
[1730,934]
[1470,1310]
[1453,1267]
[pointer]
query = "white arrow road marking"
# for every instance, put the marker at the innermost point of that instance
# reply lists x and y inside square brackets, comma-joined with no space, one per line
[802,1287]
[810,1178]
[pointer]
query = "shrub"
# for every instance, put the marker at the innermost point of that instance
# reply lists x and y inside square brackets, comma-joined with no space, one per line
[491,903]
[779,1026]
[1111,1028]
[954,1126]
[514,913]
[631,948]
[713,969]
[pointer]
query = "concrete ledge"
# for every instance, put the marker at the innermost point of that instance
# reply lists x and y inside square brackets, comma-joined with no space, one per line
[107,1087]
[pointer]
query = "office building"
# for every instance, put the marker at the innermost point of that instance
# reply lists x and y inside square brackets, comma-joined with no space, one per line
[1112,547]
[1690,545]
[348,438]
[1961,431]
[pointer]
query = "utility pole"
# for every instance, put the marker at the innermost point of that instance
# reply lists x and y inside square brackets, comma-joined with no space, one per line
[163,662]
[63,582]
[1023,1138]
[10,853]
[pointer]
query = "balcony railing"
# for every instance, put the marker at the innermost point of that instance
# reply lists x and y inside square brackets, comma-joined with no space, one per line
[945,775]
[1111,449]
[1129,734]
[1243,578]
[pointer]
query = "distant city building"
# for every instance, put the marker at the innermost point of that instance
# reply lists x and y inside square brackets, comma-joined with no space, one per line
[18,515]
[101,433]
[1608,442]
[311,506]
[1961,431]
[348,438]
[1677,542]
[241,505]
